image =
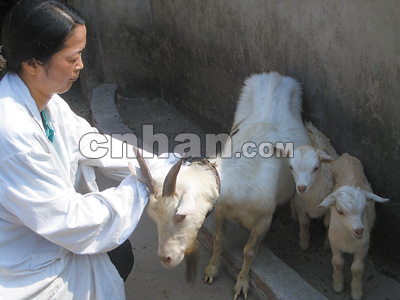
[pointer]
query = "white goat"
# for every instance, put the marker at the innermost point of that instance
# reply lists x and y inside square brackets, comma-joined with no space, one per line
[179,202]
[352,218]
[311,169]
[269,110]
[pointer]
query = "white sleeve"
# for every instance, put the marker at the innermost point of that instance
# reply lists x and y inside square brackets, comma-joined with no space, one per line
[114,163]
[36,192]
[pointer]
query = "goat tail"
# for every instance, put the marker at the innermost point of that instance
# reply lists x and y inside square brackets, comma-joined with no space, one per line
[268,96]
[192,259]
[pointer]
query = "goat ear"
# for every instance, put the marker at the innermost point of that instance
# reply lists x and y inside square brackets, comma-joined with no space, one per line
[136,171]
[145,176]
[372,196]
[187,205]
[328,201]
[323,157]
[281,152]
[170,181]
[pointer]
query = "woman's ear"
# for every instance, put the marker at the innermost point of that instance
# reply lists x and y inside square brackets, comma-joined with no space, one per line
[31,66]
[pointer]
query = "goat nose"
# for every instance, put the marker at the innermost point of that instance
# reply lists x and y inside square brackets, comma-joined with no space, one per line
[165,260]
[301,188]
[359,231]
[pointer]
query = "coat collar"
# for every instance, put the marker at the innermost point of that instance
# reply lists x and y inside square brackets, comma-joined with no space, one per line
[24,96]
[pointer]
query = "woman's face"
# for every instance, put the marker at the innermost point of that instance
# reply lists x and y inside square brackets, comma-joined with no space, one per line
[63,69]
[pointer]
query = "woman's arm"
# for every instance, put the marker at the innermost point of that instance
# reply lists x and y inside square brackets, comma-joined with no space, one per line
[36,192]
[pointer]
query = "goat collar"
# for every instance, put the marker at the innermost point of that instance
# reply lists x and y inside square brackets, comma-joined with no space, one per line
[213,168]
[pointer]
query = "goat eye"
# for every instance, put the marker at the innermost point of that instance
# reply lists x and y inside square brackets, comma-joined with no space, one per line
[291,168]
[315,169]
[179,218]
[340,212]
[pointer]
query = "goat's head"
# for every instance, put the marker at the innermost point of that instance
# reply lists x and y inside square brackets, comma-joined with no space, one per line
[179,203]
[305,166]
[347,206]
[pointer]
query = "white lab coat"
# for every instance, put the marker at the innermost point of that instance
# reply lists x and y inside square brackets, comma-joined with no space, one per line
[53,240]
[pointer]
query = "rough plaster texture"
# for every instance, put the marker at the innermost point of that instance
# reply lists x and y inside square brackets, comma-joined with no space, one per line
[196,54]
[120,45]
[345,55]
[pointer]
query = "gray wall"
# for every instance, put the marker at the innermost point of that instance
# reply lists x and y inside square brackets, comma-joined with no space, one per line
[120,45]
[196,54]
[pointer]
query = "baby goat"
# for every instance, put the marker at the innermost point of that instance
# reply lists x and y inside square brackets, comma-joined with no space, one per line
[352,209]
[311,169]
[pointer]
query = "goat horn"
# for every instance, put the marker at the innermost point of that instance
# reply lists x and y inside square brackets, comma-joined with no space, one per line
[170,181]
[145,170]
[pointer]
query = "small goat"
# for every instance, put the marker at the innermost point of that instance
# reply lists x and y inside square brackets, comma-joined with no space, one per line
[269,110]
[352,218]
[311,169]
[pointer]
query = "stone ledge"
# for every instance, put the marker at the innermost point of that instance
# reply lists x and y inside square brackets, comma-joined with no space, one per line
[104,111]
[270,277]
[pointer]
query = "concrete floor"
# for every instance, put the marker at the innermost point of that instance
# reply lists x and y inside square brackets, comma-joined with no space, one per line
[149,280]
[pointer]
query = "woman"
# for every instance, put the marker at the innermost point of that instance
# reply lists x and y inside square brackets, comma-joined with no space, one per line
[54,240]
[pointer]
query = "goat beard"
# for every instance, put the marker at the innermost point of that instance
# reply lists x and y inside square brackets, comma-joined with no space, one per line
[192,259]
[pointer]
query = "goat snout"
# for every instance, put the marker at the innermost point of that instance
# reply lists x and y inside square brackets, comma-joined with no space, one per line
[165,260]
[358,233]
[301,189]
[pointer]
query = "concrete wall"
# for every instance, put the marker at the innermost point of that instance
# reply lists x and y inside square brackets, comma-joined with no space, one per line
[120,45]
[197,53]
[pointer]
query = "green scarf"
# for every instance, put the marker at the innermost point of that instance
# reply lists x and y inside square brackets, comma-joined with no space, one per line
[47,129]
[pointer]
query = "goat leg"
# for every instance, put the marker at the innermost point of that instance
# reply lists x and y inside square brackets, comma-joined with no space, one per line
[357,269]
[337,263]
[250,251]
[304,234]
[327,220]
[213,267]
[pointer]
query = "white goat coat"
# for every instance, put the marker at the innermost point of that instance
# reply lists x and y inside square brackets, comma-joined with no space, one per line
[53,240]
[269,110]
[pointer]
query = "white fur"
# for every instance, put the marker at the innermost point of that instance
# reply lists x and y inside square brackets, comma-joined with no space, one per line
[352,218]
[269,110]
[196,192]
[311,169]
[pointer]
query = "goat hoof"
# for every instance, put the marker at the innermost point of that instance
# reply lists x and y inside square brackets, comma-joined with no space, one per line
[236,296]
[356,295]
[242,285]
[208,279]
[304,245]
[211,273]
[338,287]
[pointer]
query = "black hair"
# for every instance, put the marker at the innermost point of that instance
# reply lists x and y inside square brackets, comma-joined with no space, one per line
[37,29]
